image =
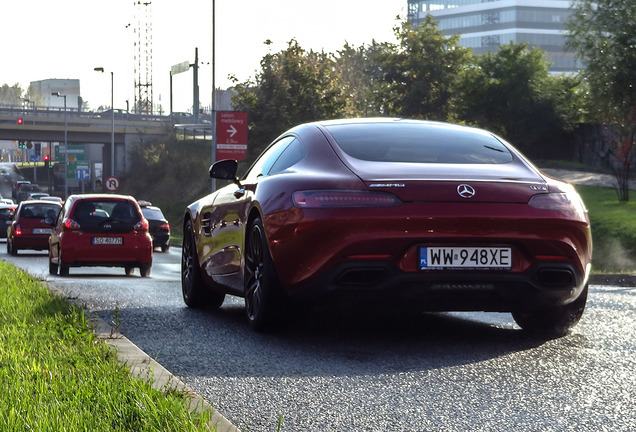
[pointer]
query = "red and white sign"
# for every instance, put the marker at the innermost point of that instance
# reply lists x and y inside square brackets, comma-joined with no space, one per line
[231,135]
[112,184]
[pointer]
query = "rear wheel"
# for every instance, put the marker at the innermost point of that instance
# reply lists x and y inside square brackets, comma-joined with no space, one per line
[52,266]
[63,267]
[263,300]
[129,270]
[555,321]
[144,270]
[11,249]
[195,293]
[165,248]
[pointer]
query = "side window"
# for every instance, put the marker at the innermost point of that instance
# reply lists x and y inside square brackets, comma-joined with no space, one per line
[291,155]
[264,164]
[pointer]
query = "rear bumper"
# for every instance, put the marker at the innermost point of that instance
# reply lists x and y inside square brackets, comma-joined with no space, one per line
[542,285]
[31,242]
[77,250]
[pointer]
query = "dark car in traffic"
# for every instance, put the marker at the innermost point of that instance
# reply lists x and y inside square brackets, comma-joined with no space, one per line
[25,190]
[31,226]
[158,225]
[7,212]
[426,215]
[104,230]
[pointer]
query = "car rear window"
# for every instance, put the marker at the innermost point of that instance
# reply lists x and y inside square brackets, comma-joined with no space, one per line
[152,213]
[418,143]
[39,211]
[97,211]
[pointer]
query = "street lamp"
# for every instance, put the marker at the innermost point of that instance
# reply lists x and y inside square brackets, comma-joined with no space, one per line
[112,122]
[65,144]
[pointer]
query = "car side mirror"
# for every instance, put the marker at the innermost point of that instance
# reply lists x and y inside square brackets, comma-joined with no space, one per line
[224,170]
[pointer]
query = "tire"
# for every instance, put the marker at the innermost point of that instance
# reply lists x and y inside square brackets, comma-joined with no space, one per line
[11,249]
[555,321]
[64,268]
[52,266]
[195,293]
[144,270]
[129,270]
[165,248]
[263,300]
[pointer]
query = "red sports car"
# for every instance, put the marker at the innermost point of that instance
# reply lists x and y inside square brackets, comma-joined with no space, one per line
[100,230]
[433,215]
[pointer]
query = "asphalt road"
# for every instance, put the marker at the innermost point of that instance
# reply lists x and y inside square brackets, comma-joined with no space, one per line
[360,372]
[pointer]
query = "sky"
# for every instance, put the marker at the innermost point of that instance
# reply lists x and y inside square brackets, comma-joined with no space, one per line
[67,39]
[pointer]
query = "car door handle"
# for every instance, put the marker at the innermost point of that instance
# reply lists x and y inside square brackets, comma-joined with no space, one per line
[239,193]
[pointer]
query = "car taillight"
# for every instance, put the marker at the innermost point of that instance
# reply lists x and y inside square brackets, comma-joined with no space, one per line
[70,224]
[142,225]
[562,201]
[331,199]
[165,226]
[17,230]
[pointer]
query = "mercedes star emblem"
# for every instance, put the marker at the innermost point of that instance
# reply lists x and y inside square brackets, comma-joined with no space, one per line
[465,191]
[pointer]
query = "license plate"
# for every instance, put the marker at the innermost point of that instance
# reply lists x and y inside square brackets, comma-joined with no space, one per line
[42,230]
[485,258]
[108,240]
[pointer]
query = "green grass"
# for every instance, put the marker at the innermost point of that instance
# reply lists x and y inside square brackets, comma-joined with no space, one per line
[56,375]
[613,229]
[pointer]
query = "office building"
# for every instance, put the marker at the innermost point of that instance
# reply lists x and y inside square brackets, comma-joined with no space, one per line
[484,25]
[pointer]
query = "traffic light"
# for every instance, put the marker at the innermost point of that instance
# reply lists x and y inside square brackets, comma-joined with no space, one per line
[20,120]
[37,148]
[46,161]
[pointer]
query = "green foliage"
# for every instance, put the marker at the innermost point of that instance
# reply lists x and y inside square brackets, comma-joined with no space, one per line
[419,75]
[15,96]
[511,92]
[613,229]
[293,87]
[603,35]
[58,376]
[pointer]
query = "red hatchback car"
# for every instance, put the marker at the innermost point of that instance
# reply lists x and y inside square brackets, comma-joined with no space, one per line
[423,214]
[100,230]
[31,227]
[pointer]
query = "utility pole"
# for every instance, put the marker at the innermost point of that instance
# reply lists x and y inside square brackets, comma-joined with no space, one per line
[195,74]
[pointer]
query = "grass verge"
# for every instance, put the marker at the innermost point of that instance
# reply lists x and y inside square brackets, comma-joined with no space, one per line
[613,229]
[58,376]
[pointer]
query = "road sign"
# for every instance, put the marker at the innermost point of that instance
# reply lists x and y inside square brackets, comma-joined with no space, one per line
[112,184]
[231,135]
[180,67]
[83,171]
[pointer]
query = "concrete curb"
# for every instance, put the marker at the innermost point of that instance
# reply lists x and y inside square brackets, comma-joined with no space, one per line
[143,367]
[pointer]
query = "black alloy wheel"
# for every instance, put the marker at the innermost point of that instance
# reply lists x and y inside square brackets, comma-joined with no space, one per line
[195,294]
[263,300]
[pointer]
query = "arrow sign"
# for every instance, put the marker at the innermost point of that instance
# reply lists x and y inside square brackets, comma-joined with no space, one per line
[231,130]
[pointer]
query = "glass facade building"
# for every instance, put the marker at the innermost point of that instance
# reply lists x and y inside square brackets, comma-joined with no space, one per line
[484,25]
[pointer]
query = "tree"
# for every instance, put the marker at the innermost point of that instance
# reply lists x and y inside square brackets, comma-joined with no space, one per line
[602,33]
[293,87]
[11,96]
[511,92]
[419,74]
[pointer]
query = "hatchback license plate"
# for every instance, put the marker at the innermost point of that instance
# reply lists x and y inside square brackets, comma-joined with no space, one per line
[108,240]
[42,230]
[485,258]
